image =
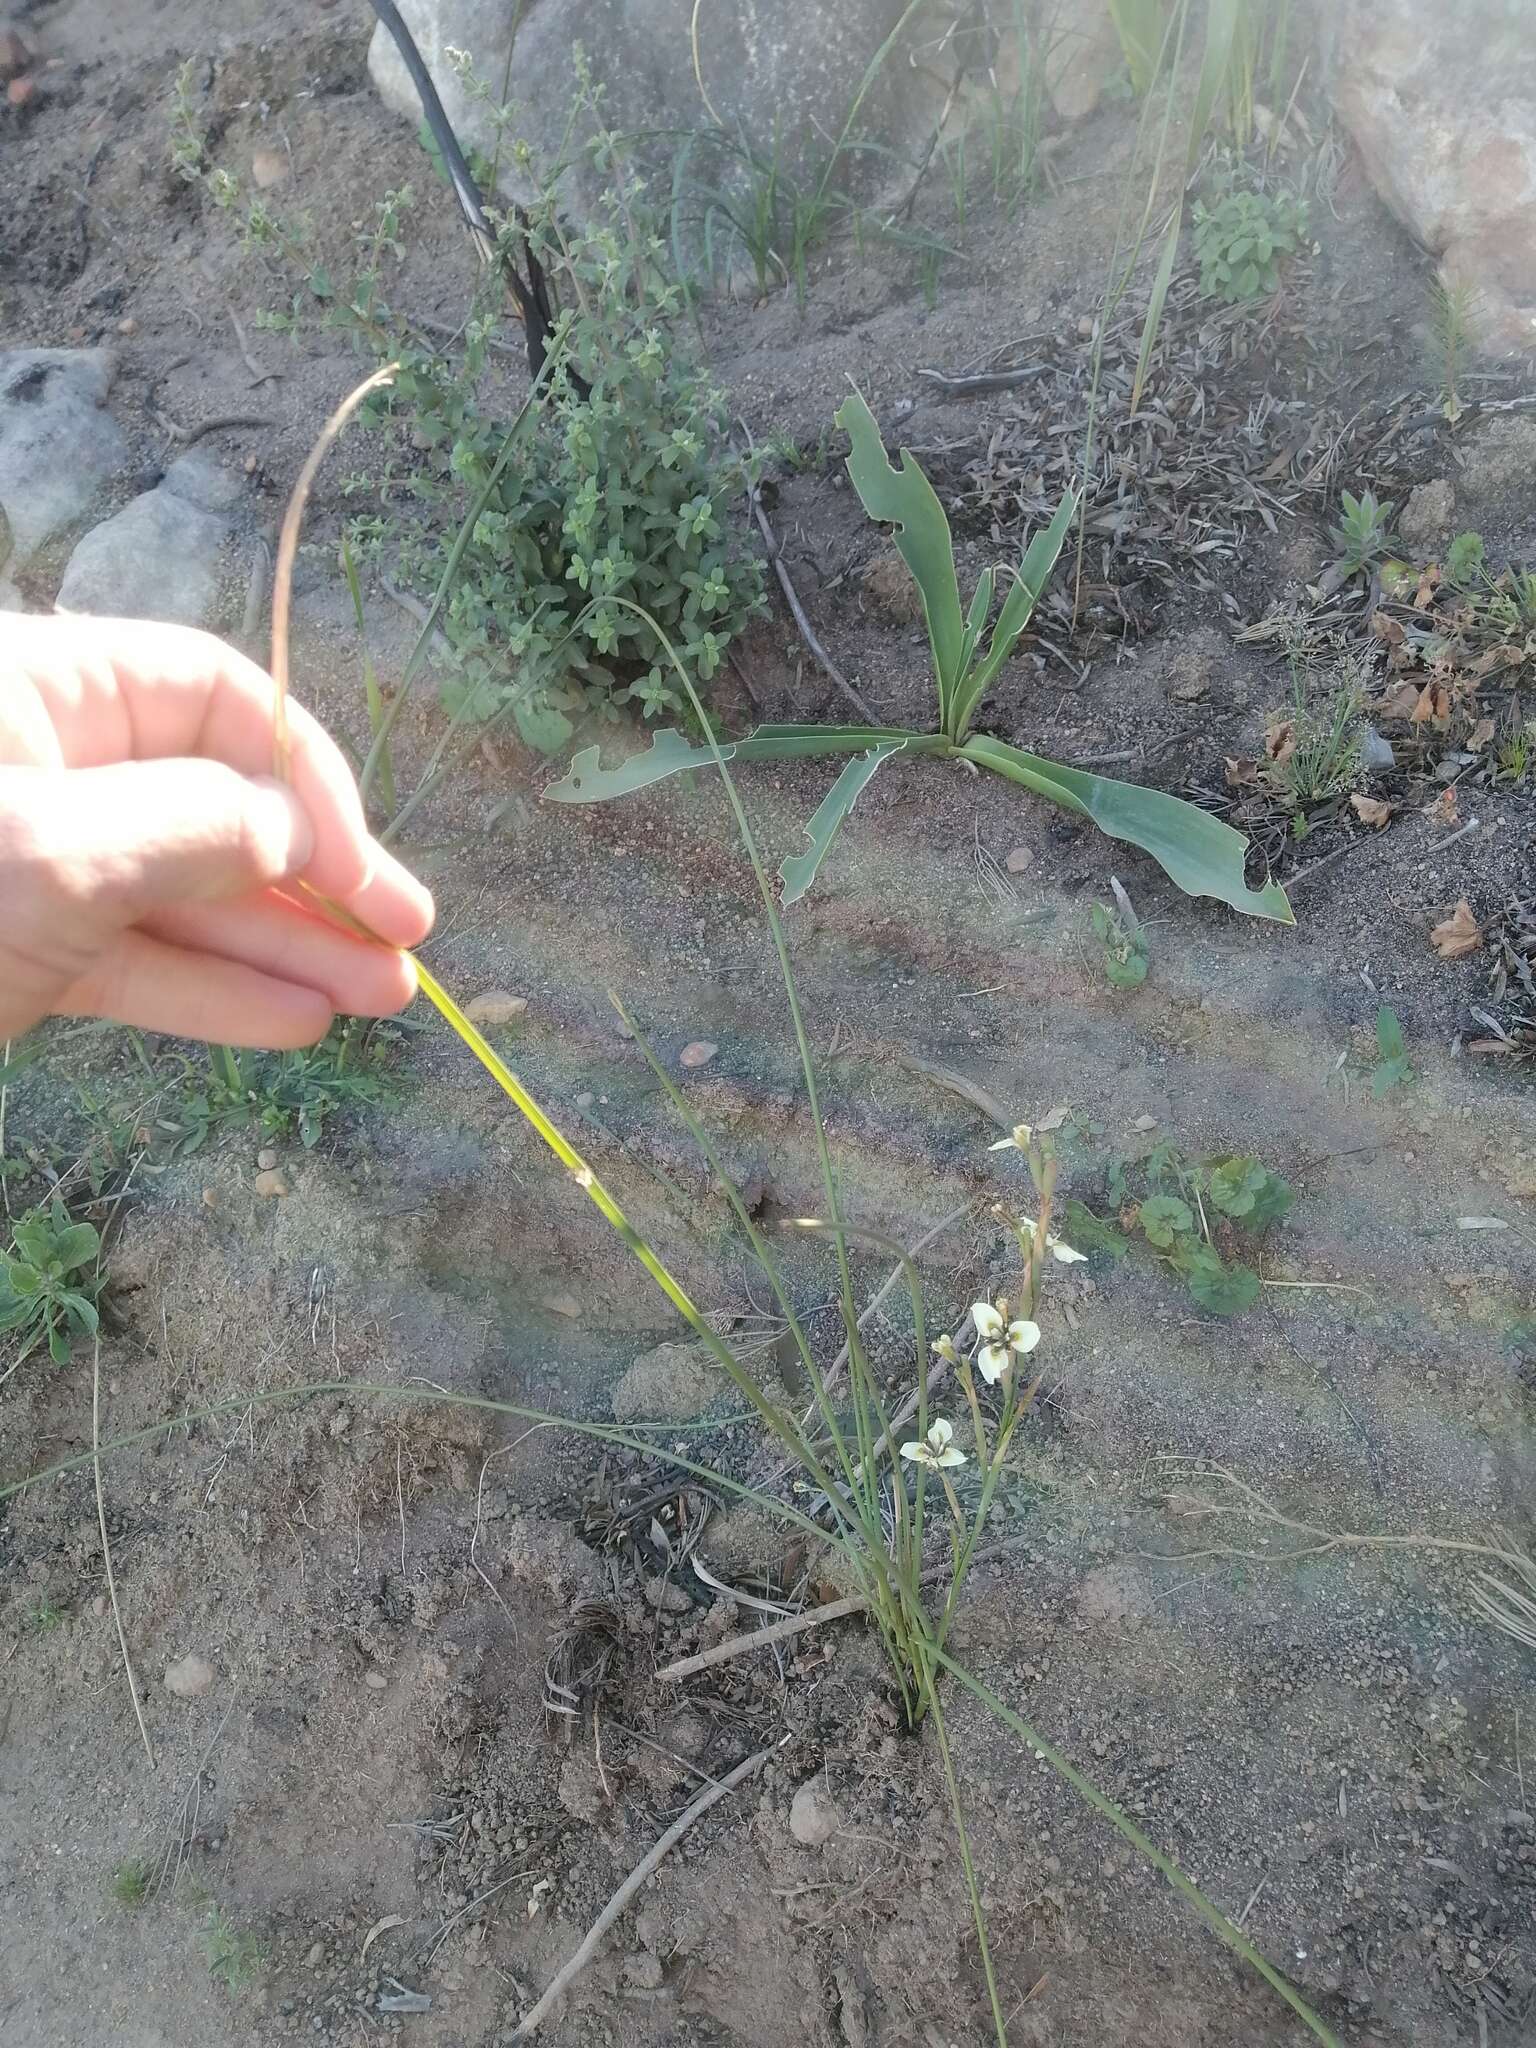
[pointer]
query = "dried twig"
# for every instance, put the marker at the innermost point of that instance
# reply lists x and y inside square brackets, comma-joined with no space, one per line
[815,1617]
[258,374]
[1251,1505]
[217,425]
[824,660]
[565,1976]
[106,1552]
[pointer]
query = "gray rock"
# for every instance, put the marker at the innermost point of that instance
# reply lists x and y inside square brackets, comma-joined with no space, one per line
[1441,102]
[58,445]
[770,71]
[189,1677]
[161,557]
[1499,458]
[673,1383]
[813,1819]
[1376,755]
[1428,513]
[1082,56]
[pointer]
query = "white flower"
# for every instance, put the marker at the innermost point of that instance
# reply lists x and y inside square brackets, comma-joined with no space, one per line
[1063,1253]
[935,1450]
[1017,1142]
[944,1348]
[1000,1343]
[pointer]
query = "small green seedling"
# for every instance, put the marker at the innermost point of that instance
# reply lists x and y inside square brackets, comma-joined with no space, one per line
[131,1882]
[283,1094]
[1123,946]
[233,1957]
[46,1617]
[1196,1214]
[1242,240]
[1364,532]
[1201,854]
[49,1281]
[1393,1066]
[1466,561]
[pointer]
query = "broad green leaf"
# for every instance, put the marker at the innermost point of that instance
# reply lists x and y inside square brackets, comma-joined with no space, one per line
[1271,1203]
[1198,852]
[976,617]
[58,1343]
[587,782]
[1163,1218]
[542,725]
[24,1280]
[1223,1289]
[76,1246]
[1235,1186]
[799,871]
[83,1311]
[905,499]
[1089,1233]
[1040,559]
[1389,1034]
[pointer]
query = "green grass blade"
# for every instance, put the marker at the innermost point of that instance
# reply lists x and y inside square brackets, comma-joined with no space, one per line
[905,499]
[1211,1913]
[1040,558]
[1200,853]
[799,871]
[1154,317]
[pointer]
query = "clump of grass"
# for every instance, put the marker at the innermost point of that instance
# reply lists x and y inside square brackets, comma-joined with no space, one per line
[46,1617]
[281,1095]
[233,1955]
[1314,756]
[131,1881]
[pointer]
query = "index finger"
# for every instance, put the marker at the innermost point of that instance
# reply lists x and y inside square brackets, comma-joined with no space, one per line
[130,689]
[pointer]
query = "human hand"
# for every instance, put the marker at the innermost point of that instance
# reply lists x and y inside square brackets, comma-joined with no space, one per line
[148,862]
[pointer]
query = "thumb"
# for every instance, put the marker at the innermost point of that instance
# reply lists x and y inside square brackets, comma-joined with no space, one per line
[116,843]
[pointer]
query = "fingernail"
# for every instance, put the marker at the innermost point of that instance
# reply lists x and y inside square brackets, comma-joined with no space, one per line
[283,824]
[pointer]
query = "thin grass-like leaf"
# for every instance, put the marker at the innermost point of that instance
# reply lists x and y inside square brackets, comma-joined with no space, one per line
[1154,316]
[1034,573]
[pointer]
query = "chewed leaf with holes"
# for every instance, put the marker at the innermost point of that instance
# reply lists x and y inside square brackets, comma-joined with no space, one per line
[799,871]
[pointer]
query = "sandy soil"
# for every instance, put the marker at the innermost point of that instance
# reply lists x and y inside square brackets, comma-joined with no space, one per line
[1335,1747]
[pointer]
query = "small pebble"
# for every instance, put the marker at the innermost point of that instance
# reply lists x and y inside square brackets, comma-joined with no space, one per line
[585,1099]
[266,1159]
[99,1605]
[210,1199]
[1018,860]
[1145,1123]
[128,325]
[271,1181]
[269,167]
[315,1957]
[14,53]
[376,1681]
[562,1305]
[189,1677]
[495,1006]
[20,90]
[699,1054]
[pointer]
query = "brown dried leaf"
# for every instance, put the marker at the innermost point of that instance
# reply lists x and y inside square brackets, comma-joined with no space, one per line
[1239,774]
[1445,810]
[1457,935]
[1428,582]
[1491,1045]
[1371,810]
[1387,629]
[1280,740]
[1433,705]
[1399,701]
[1481,735]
